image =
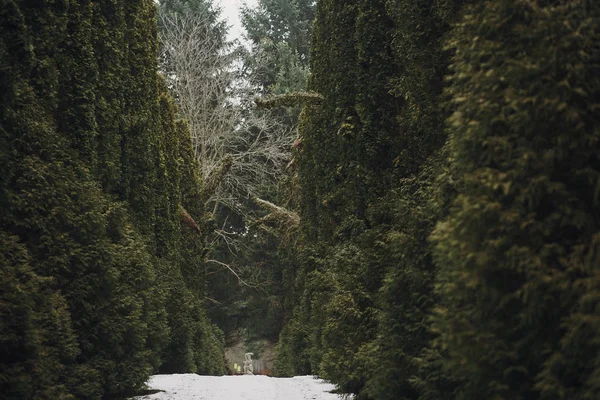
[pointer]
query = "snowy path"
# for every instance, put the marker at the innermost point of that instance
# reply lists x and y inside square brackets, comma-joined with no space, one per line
[242,387]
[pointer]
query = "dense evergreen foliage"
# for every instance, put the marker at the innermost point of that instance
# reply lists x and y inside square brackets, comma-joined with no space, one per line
[519,251]
[366,274]
[436,236]
[102,285]
[279,30]
[448,198]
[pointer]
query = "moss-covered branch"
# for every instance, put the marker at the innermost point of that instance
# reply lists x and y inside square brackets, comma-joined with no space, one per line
[295,99]
[216,177]
[278,214]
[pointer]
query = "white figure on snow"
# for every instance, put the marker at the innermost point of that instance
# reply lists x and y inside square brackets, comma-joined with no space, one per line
[248,368]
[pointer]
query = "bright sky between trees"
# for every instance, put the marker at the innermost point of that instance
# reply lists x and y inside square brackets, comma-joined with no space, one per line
[231,12]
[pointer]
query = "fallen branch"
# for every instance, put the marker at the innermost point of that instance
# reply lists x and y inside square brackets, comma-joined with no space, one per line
[295,99]
[279,214]
[187,220]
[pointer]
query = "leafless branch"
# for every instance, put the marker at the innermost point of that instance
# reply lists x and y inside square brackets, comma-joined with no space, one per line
[206,78]
[227,266]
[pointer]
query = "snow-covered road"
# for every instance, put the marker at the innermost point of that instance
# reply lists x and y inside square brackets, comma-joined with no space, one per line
[241,387]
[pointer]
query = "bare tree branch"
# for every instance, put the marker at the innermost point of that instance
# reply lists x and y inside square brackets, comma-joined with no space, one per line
[286,222]
[227,266]
[295,99]
[241,149]
[216,101]
[187,219]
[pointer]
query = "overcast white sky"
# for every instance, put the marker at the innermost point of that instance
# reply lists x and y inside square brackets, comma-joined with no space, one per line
[231,13]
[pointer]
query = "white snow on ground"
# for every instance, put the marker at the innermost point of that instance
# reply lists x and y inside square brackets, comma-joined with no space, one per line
[238,387]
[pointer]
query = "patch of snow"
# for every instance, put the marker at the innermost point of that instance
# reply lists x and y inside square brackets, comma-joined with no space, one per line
[238,387]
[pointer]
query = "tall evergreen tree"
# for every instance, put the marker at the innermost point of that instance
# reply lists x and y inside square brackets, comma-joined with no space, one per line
[345,165]
[519,250]
[92,190]
[368,155]
[280,31]
[404,366]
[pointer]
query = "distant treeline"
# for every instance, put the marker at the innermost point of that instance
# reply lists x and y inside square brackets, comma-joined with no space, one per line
[450,201]
[101,276]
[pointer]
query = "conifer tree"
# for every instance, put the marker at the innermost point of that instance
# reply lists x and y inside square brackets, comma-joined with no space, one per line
[371,170]
[345,165]
[519,250]
[37,339]
[93,180]
[403,364]
[280,32]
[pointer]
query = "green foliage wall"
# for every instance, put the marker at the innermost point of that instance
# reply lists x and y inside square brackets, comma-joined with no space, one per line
[371,168]
[519,251]
[449,201]
[94,171]
[352,172]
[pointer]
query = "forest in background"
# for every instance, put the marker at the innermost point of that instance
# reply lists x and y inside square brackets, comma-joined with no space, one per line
[426,225]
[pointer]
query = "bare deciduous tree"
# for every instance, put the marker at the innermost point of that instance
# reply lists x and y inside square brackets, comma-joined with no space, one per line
[240,148]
